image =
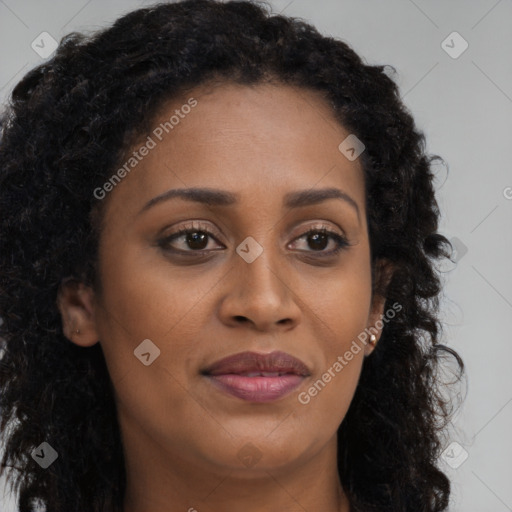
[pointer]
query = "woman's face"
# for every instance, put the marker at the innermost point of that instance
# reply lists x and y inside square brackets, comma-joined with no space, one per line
[249,280]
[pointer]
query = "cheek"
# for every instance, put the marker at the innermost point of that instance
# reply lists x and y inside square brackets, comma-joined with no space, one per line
[143,300]
[342,316]
[330,393]
[341,310]
[341,299]
[145,290]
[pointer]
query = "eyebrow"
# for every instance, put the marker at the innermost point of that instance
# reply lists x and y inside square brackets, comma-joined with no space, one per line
[216,197]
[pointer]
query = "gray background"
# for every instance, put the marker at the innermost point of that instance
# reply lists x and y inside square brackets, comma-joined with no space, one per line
[464,107]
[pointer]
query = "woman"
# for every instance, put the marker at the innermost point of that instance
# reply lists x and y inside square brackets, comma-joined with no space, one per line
[217,274]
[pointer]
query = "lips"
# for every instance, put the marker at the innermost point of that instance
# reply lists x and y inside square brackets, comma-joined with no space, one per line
[257,377]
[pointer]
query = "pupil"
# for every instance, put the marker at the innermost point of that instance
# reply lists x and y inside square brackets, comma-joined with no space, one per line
[197,240]
[316,238]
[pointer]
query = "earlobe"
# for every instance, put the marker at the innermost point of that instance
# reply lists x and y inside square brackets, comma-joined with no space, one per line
[75,301]
[375,324]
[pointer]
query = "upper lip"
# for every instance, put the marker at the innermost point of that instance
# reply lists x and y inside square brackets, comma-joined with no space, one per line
[275,362]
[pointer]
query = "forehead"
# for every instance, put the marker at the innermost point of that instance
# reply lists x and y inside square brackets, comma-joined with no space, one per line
[260,140]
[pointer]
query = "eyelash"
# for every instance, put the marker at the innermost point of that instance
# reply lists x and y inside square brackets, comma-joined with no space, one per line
[341,241]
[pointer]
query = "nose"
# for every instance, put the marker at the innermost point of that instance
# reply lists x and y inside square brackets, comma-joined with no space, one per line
[259,295]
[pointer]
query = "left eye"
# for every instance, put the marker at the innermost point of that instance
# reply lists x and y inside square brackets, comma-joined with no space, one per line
[318,239]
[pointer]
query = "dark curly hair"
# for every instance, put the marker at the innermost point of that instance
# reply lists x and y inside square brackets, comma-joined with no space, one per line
[69,124]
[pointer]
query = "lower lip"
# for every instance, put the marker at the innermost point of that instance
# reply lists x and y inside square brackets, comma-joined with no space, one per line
[257,389]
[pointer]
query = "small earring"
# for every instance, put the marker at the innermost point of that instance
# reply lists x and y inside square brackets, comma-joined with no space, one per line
[78,331]
[373,339]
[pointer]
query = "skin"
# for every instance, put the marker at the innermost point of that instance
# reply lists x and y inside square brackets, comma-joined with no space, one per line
[182,437]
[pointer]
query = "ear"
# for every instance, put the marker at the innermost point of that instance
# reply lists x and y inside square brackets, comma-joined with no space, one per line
[383,274]
[75,301]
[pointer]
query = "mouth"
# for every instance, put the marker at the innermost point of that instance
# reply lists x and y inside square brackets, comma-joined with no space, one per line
[257,377]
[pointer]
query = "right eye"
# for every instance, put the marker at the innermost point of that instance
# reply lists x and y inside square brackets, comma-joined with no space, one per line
[189,239]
